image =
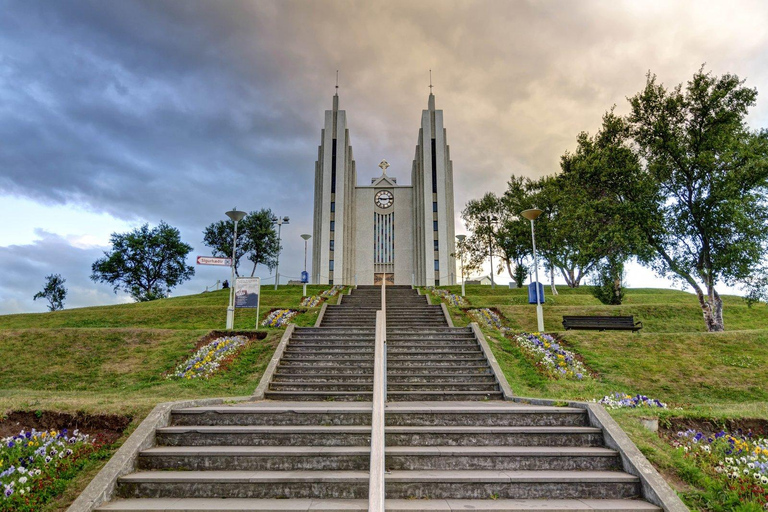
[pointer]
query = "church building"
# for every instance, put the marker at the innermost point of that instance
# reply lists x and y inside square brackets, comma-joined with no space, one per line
[365,234]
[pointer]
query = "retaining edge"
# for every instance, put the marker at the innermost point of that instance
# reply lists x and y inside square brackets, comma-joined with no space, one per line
[266,377]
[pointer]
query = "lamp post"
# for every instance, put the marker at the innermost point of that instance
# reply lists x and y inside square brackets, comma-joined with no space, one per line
[491,220]
[305,237]
[236,216]
[461,239]
[279,221]
[532,215]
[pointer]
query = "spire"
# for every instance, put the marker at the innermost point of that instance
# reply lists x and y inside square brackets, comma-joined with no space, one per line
[336,96]
[431,104]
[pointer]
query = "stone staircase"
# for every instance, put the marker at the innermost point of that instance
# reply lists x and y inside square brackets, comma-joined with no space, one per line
[333,361]
[427,359]
[451,443]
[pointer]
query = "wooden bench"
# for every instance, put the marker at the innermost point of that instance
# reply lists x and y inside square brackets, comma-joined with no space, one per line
[602,323]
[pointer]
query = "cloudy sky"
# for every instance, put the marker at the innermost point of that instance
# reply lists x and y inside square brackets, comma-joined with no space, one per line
[113,114]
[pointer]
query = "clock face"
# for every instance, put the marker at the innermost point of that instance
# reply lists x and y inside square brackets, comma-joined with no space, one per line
[384,199]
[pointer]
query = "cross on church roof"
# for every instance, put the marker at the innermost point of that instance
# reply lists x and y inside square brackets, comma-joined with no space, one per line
[430,81]
[384,164]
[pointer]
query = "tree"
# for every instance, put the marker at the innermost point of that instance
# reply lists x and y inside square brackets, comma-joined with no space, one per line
[603,174]
[53,291]
[256,239]
[708,221]
[514,237]
[146,263]
[479,216]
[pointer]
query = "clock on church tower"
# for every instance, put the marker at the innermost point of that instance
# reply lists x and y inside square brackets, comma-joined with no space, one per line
[384,199]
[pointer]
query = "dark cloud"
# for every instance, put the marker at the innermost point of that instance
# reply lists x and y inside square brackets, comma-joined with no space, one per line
[179,110]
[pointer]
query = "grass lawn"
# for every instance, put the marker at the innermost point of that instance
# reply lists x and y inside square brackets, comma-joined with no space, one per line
[114,359]
[717,377]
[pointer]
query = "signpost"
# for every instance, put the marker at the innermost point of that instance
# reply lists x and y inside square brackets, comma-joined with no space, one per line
[212,260]
[248,294]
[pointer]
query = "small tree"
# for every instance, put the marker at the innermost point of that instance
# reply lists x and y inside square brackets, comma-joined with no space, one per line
[256,239]
[53,291]
[607,284]
[146,263]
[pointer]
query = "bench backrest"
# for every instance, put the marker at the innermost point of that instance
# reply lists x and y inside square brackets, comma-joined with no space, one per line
[599,320]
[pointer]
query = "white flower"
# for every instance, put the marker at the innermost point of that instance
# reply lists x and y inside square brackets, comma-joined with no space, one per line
[23,480]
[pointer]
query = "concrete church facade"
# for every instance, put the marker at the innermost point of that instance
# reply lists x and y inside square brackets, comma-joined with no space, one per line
[365,234]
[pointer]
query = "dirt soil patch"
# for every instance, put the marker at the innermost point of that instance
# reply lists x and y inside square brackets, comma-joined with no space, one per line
[104,429]
[757,426]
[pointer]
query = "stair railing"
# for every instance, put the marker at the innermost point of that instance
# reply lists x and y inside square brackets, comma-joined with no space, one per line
[377,470]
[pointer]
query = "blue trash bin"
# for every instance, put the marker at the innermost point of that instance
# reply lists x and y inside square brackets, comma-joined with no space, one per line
[532,293]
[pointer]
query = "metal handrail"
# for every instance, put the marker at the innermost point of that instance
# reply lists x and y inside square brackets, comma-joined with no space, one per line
[377,469]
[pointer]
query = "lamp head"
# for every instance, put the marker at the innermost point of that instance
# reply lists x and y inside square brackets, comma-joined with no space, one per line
[286,220]
[461,238]
[306,237]
[531,214]
[236,215]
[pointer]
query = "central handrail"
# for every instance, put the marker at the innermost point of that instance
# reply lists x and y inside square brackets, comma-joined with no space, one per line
[377,470]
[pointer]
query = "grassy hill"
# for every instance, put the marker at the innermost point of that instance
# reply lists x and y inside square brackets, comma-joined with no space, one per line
[710,380]
[112,359]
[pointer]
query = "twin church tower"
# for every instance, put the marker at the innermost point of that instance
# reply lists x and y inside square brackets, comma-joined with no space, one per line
[401,234]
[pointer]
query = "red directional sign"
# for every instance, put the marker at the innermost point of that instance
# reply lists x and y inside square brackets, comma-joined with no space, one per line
[211,260]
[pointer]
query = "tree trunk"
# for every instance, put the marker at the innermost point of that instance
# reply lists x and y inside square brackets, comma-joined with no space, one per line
[552,280]
[712,309]
[509,269]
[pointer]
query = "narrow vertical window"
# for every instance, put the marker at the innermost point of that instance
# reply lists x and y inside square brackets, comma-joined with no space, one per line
[333,168]
[437,265]
[333,225]
[434,167]
[330,265]
[434,225]
[332,244]
[333,207]
[437,245]
[434,206]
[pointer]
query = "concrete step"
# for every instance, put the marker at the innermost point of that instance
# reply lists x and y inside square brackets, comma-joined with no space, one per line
[430,338]
[399,348]
[511,484]
[527,458]
[393,370]
[265,435]
[396,330]
[313,396]
[298,362]
[440,378]
[442,395]
[484,415]
[255,458]
[420,387]
[326,378]
[320,386]
[324,370]
[493,436]
[391,505]
[292,355]
[441,358]
[309,345]
[278,415]
[244,484]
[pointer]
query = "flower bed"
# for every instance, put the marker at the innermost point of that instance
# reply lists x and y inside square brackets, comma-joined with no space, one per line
[488,318]
[32,462]
[624,400]
[209,358]
[451,298]
[332,291]
[279,318]
[738,459]
[548,355]
[311,301]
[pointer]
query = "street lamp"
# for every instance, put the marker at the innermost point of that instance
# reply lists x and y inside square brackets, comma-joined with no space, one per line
[492,221]
[236,216]
[461,239]
[279,221]
[532,215]
[305,237]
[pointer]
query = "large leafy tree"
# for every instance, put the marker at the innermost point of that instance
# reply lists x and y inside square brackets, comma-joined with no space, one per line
[256,239]
[146,263]
[482,217]
[603,175]
[514,237]
[708,220]
[53,291]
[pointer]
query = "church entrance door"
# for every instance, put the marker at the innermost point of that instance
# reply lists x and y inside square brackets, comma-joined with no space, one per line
[378,278]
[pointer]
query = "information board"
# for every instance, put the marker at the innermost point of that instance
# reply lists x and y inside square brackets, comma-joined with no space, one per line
[247,291]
